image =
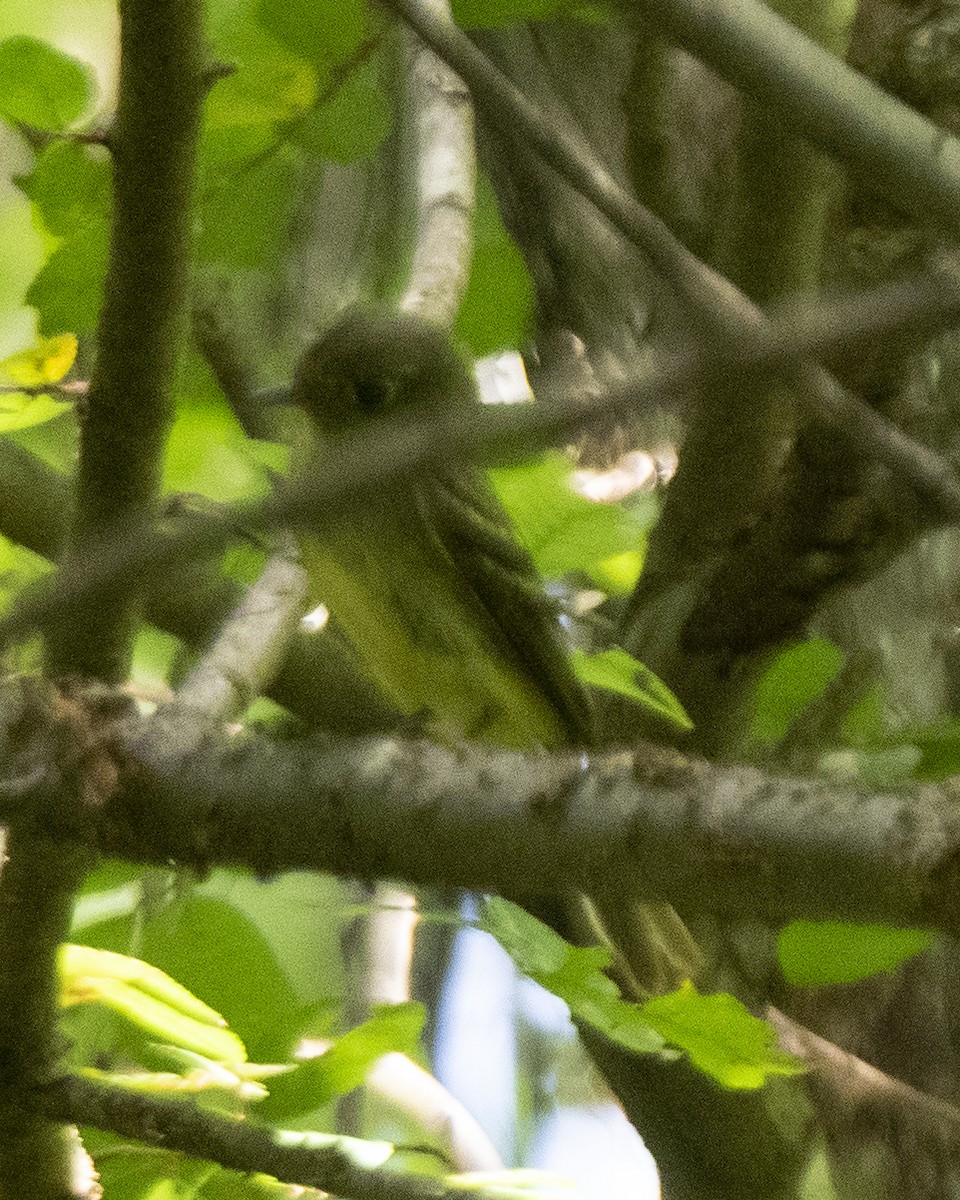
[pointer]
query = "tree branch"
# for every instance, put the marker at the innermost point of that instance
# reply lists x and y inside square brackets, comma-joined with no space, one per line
[439,115]
[651,822]
[911,160]
[253,640]
[331,1164]
[129,406]
[121,444]
[720,310]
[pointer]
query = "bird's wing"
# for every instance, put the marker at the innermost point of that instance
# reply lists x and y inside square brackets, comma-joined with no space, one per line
[473,529]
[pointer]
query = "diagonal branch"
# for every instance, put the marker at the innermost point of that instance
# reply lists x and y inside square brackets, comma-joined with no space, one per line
[359,462]
[335,1165]
[910,159]
[720,310]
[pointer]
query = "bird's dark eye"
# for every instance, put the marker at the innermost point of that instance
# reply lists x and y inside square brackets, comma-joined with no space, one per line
[370,396]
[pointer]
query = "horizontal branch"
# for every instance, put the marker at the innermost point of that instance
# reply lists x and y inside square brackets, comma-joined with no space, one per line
[361,462]
[651,823]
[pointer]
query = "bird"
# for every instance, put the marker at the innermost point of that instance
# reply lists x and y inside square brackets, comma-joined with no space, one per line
[425,575]
[442,604]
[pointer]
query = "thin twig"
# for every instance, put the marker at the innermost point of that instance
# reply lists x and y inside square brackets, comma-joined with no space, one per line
[248,649]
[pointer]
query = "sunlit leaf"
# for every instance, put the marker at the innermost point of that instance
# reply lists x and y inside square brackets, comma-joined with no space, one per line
[717,1032]
[619,573]
[276,86]
[205,1077]
[815,953]
[617,671]
[721,1036]
[368,1154]
[46,362]
[149,998]
[19,410]
[41,86]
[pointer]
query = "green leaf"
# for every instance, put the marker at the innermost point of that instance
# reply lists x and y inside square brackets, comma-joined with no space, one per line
[274,86]
[41,86]
[70,190]
[345,1066]
[219,953]
[245,212]
[617,671]
[574,974]
[353,123]
[815,953]
[322,31]
[68,290]
[563,530]
[722,1038]
[798,675]
[69,187]
[497,309]
[939,748]
[717,1032]
[207,454]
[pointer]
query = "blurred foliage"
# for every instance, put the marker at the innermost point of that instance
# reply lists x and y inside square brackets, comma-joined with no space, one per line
[814,953]
[564,531]
[42,87]
[796,677]
[720,1036]
[497,309]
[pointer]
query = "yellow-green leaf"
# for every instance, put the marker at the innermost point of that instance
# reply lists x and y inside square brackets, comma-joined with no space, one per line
[46,362]
[721,1037]
[617,671]
[148,998]
[19,410]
